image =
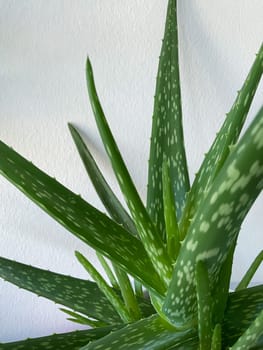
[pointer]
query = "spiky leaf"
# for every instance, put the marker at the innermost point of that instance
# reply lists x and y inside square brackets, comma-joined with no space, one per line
[108,198]
[167,142]
[145,227]
[216,224]
[79,217]
[77,294]
[148,334]
[242,309]
[66,341]
[225,139]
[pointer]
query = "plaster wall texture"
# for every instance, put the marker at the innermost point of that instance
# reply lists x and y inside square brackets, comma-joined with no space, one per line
[43,47]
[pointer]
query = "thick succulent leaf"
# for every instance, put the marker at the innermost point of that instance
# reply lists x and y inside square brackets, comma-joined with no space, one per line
[216,224]
[151,240]
[148,334]
[66,341]
[221,147]
[80,218]
[167,142]
[242,309]
[77,294]
[108,198]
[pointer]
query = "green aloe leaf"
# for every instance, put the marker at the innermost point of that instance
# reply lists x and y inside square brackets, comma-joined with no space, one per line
[225,139]
[204,302]
[167,141]
[217,222]
[108,198]
[66,341]
[250,272]
[251,335]
[242,309]
[77,294]
[80,218]
[110,293]
[148,334]
[146,229]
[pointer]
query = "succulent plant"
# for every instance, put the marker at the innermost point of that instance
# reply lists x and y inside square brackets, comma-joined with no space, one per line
[168,262]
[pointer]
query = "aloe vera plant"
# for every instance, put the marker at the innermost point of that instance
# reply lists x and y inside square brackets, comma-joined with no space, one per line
[168,261]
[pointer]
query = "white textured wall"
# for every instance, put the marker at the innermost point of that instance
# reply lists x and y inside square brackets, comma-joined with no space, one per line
[43,47]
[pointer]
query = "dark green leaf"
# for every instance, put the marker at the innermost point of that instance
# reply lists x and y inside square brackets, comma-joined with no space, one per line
[167,142]
[108,198]
[77,294]
[217,222]
[242,309]
[80,218]
[66,341]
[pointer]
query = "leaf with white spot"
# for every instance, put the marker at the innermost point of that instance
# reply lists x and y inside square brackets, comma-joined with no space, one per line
[147,334]
[242,309]
[80,218]
[147,231]
[77,294]
[109,293]
[225,139]
[108,198]
[251,335]
[167,141]
[217,223]
[204,302]
[65,341]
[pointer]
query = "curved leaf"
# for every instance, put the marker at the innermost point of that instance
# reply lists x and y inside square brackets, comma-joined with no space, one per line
[216,224]
[225,139]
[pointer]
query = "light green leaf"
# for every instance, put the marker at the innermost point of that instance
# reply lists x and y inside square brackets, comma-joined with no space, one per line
[146,229]
[216,224]
[65,341]
[108,198]
[224,141]
[242,309]
[80,218]
[251,272]
[167,141]
[147,334]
